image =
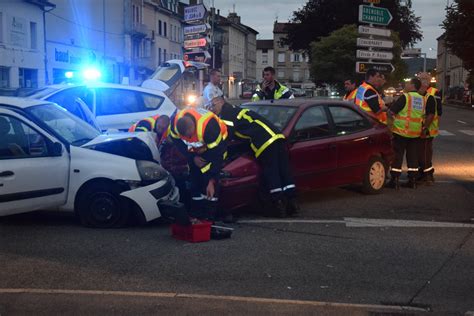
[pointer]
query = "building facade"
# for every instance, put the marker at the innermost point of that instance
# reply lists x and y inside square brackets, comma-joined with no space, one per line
[22,46]
[292,67]
[265,55]
[450,72]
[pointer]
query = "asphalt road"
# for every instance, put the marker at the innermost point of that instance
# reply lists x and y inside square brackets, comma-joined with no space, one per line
[405,252]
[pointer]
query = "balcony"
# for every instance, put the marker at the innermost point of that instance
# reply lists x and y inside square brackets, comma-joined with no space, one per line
[138,30]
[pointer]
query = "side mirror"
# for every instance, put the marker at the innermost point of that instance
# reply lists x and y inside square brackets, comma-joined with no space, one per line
[57,150]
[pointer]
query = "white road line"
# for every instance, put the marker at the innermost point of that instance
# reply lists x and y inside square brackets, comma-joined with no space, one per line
[443,132]
[244,299]
[462,122]
[467,132]
[372,222]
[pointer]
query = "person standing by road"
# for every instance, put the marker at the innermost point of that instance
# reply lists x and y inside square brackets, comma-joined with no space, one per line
[430,129]
[407,113]
[270,89]
[212,89]
[351,89]
[369,99]
[268,145]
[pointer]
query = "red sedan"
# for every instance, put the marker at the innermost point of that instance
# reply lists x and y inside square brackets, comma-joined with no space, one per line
[330,143]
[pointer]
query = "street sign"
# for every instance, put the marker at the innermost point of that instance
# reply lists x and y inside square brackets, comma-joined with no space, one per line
[200,42]
[362,67]
[372,1]
[194,13]
[200,56]
[366,42]
[367,54]
[196,29]
[374,15]
[412,52]
[374,31]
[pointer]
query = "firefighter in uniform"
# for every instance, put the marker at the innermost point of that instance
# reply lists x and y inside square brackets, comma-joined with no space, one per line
[158,124]
[407,113]
[201,136]
[368,98]
[268,145]
[270,89]
[430,129]
[351,90]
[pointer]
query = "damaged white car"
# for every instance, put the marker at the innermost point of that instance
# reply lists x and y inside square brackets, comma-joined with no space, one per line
[50,159]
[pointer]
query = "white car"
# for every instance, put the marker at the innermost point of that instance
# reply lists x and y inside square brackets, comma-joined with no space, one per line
[50,159]
[115,106]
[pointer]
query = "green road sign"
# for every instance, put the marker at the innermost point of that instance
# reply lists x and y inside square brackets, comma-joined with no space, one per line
[374,15]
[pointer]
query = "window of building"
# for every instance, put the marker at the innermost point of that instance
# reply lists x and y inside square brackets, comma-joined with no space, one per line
[1,27]
[4,77]
[136,15]
[164,30]
[264,51]
[312,124]
[296,58]
[136,49]
[33,35]
[164,55]
[159,55]
[281,74]
[296,75]
[159,28]
[28,78]
[281,57]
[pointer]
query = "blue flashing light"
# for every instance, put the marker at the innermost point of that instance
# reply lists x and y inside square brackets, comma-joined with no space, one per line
[92,74]
[68,74]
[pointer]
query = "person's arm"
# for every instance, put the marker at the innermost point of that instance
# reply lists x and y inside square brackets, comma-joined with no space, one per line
[398,105]
[216,147]
[439,103]
[372,99]
[287,95]
[430,112]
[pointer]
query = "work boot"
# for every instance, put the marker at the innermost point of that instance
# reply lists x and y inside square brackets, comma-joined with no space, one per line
[394,183]
[429,179]
[279,208]
[292,207]
[421,180]
[410,184]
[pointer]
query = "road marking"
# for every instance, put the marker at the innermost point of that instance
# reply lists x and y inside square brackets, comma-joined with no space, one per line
[467,132]
[373,222]
[245,299]
[443,132]
[462,122]
[363,222]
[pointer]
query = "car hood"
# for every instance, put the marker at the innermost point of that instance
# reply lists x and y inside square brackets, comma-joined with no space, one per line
[138,146]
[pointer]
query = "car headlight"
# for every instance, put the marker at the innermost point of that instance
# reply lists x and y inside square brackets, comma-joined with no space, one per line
[151,171]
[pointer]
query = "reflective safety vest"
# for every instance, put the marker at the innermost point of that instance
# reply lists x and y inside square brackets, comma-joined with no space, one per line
[360,102]
[276,95]
[150,121]
[408,122]
[434,127]
[202,118]
[351,96]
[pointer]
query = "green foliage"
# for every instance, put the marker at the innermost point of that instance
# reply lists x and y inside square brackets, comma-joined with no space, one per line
[319,18]
[459,35]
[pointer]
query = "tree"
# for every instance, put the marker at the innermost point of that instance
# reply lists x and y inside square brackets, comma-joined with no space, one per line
[333,58]
[459,33]
[318,18]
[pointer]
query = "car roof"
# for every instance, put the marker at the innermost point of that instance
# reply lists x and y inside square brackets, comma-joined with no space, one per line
[21,102]
[105,85]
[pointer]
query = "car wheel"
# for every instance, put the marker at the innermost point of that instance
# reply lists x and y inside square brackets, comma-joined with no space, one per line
[101,206]
[374,178]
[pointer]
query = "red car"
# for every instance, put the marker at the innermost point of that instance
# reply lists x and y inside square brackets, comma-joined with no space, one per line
[330,143]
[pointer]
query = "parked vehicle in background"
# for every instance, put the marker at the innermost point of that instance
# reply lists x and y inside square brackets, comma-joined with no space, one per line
[298,92]
[52,160]
[114,106]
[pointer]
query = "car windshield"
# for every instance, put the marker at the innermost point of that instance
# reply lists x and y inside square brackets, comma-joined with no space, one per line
[276,114]
[40,93]
[63,124]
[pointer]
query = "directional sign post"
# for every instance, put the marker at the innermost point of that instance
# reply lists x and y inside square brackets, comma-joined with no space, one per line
[370,54]
[366,42]
[201,42]
[200,56]
[195,13]
[374,15]
[366,30]
[196,29]
[362,67]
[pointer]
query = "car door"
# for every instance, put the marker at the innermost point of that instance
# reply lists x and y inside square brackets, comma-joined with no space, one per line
[121,108]
[34,171]
[313,154]
[354,142]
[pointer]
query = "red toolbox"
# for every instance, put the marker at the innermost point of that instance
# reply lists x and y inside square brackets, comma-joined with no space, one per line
[197,232]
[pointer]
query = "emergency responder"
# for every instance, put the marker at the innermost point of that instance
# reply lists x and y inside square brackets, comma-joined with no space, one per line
[158,124]
[369,99]
[212,89]
[270,89]
[351,88]
[407,113]
[268,145]
[201,136]
[430,129]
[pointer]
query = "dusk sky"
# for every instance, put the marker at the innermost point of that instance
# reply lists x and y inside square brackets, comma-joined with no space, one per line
[260,15]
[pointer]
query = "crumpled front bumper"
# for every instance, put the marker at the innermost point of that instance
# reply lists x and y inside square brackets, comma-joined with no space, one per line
[150,197]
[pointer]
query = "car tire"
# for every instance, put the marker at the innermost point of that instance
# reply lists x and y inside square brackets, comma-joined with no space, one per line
[375,175]
[100,205]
